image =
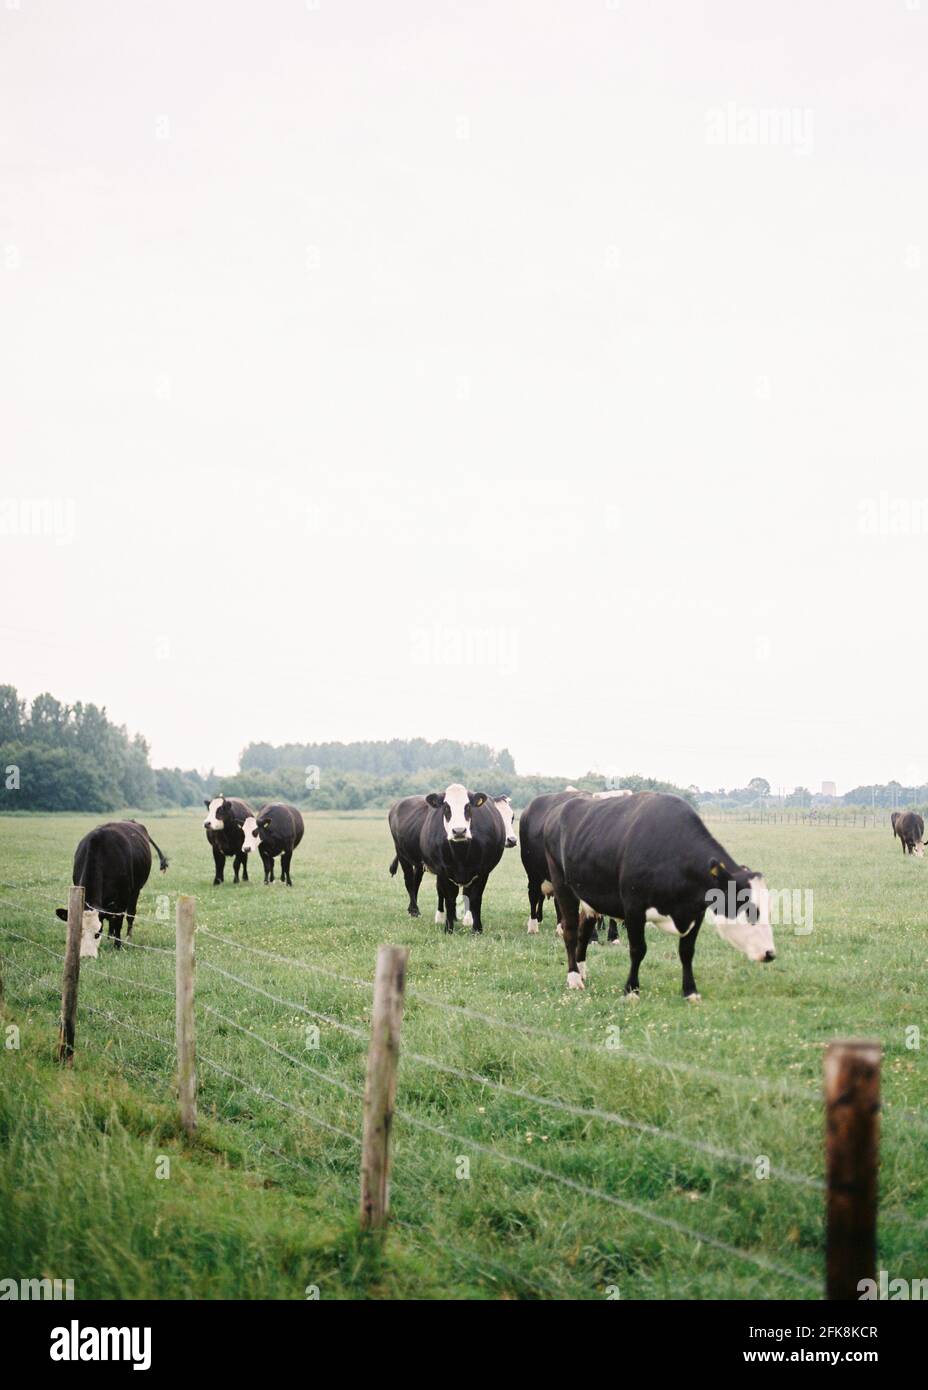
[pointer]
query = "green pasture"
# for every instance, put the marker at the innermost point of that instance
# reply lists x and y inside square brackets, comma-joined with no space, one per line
[638,1178]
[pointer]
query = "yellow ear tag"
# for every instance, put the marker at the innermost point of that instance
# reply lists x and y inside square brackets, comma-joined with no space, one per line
[714,871]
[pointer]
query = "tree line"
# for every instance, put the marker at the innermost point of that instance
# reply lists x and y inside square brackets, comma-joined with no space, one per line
[59,757]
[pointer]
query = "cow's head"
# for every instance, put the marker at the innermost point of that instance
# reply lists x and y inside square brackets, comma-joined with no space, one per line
[918,849]
[504,806]
[91,929]
[218,813]
[252,828]
[742,911]
[457,803]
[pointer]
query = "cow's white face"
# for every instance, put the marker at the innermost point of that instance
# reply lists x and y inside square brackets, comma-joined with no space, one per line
[504,806]
[749,931]
[91,930]
[919,850]
[457,803]
[212,821]
[252,838]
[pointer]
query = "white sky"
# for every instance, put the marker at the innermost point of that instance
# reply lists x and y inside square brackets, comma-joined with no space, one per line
[446,372]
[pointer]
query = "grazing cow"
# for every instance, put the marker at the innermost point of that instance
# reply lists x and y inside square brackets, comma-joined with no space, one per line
[112,864]
[406,819]
[461,841]
[277,829]
[223,825]
[910,828]
[649,858]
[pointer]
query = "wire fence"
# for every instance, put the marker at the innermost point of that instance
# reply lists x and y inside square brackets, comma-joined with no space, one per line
[290,1067]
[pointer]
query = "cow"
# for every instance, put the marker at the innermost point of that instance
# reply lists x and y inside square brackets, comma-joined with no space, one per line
[910,828]
[223,825]
[276,830]
[111,864]
[461,841]
[649,858]
[406,819]
[531,847]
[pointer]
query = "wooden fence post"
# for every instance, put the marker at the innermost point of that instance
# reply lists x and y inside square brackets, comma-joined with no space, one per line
[72,971]
[184,1017]
[852,1106]
[380,1086]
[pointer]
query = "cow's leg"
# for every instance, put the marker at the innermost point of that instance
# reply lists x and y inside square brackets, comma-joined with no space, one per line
[285,867]
[569,912]
[535,900]
[243,861]
[637,948]
[440,915]
[130,915]
[116,930]
[613,932]
[687,948]
[586,932]
[472,916]
[412,877]
[219,860]
[448,893]
[267,863]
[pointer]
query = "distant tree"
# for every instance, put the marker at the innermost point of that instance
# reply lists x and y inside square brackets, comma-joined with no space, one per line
[760,786]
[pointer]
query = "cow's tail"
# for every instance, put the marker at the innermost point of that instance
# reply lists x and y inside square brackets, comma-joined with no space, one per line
[163,863]
[395,865]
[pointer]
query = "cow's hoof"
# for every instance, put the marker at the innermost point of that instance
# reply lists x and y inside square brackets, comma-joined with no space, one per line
[414,912]
[440,919]
[468,919]
[574,980]
[693,998]
[449,930]
[632,996]
[559,931]
[476,931]
[532,927]
[614,941]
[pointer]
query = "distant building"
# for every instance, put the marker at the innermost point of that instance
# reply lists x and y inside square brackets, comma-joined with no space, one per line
[829,789]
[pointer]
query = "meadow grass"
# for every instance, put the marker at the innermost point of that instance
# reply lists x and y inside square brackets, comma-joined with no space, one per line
[264,1202]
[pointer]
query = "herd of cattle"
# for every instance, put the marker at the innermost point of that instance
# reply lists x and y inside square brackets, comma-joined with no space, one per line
[641,858]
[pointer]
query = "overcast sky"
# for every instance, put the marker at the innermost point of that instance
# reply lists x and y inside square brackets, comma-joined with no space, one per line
[548,374]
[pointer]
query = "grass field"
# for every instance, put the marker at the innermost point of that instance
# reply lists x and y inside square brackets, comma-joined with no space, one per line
[263,1203]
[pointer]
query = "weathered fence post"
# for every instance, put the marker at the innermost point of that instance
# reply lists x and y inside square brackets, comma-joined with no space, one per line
[184,1017]
[72,970]
[380,1086]
[852,1106]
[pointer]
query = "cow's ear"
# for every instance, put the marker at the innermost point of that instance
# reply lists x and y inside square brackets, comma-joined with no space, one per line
[206,802]
[436,799]
[477,798]
[62,913]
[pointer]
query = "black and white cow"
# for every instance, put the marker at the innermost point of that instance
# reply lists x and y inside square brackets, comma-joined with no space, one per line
[112,864]
[532,849]
[649,858]
[406,819]
[276,830]
[461,842]
[910,828]
[226,815]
